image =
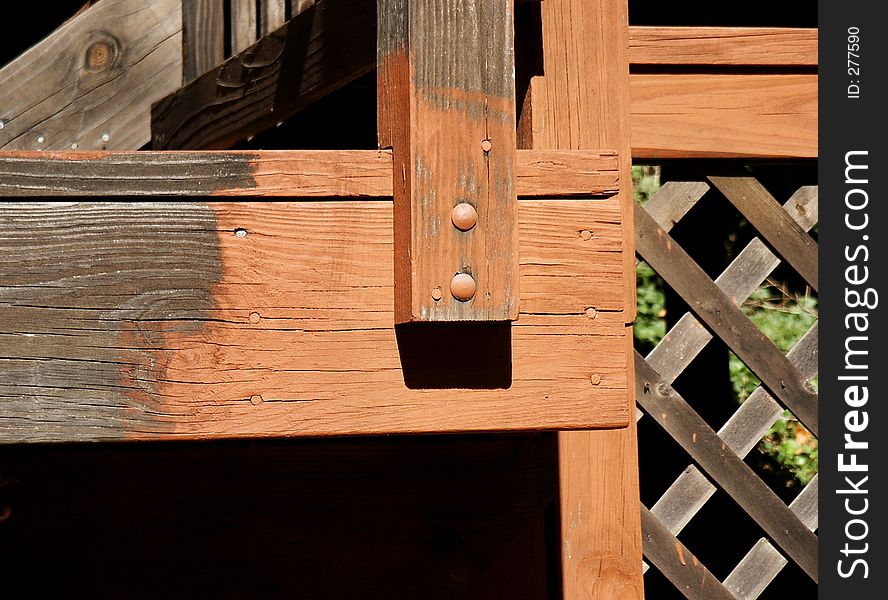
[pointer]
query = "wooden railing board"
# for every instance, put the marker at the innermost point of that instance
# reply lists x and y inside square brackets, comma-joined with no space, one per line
[285,173]
[723,46]
[188,320]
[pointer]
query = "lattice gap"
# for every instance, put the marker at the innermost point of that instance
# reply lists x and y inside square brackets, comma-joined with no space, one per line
[691,490]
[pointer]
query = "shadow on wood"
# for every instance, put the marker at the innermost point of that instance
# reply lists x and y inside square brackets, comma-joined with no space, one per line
[455,355]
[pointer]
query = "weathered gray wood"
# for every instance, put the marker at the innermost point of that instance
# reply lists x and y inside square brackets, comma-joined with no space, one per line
[763,562]
[204,36]
[764,213]
[273,14]
[244,24]
[302,173]
[691,432]
[677,563]
[446,107]
[673,201]
[718,312]
[742,277]
[326,46]
[90,84]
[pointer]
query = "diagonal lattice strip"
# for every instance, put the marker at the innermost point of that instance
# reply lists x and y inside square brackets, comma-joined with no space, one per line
[692,433]
[676,562]
[725,319]
[764,213]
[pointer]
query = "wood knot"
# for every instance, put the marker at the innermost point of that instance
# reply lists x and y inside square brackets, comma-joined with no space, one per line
[101,52]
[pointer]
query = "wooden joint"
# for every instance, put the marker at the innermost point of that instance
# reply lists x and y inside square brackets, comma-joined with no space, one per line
[447,109]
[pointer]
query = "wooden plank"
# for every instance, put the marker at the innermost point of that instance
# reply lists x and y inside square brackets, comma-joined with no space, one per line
[728,46]
[725,319]
[763,562]
[723,115]
[90,84]
[244,21]
[395,516]
[692,433]
[582,101]
[676,562]
[673,201]
[302,173]
[273,14]
[203,48]
[765,214]
[192,320]
[446,107]
[324,47]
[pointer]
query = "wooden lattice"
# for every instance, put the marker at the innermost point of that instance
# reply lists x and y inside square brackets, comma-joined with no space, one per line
[785,384]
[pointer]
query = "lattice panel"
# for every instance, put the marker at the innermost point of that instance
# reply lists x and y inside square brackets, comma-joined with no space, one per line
[715,310]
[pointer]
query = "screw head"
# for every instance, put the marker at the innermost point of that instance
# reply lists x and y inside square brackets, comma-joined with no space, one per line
[486,145]
[463,287]
[586,235]
[591,313]
[255,317]
[436,294]
[464,216]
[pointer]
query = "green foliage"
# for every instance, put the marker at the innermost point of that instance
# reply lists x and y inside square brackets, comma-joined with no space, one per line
[784,318]
[788,448]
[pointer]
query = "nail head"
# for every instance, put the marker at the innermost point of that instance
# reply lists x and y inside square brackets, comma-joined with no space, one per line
[595,379]
[436,294]
[254,317]
[240,232]
[463,287]
[586,235]
[106,137]
[486,145]
[256,399]
[464,216]
[591,313]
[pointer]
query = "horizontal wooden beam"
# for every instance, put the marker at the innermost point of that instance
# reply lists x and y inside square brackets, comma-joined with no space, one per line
[692,115]
[301,173]
[740,115]
[723,46]
[167,320]
[90,84]
[327,45]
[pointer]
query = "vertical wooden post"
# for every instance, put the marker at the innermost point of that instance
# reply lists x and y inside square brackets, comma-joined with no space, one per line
[203,26]
[447,109]
[243,25]
[582,102]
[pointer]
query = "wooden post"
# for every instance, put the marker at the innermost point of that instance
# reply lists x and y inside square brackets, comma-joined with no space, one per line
[582,101]
[447,109]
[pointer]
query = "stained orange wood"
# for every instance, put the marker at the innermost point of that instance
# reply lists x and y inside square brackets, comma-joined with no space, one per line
[582,101]
[724,115]
[183,320]
[759,46]
[446,91]
[302,173]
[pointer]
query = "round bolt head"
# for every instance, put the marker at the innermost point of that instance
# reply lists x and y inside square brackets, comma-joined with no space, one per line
[463,287]
[464,216]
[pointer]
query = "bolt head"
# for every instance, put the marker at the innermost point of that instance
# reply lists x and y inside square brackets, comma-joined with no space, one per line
[463,287]
[464,216]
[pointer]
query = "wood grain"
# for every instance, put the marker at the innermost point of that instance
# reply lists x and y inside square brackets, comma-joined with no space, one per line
[322,48]
[723,115]
[582,101]
[203,40]
[446,107]
[244,22]
[92,81]
[724,46]
[157,320]
[301,173]
[273,14]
